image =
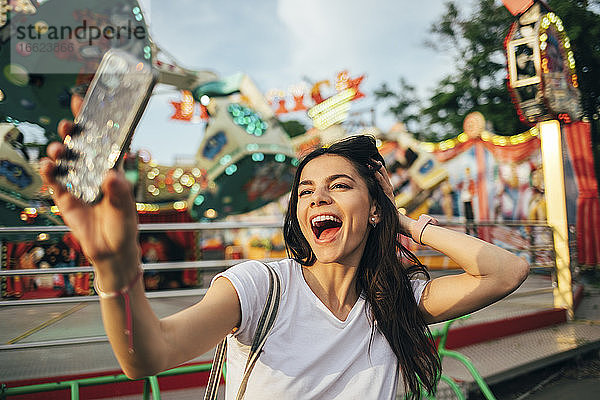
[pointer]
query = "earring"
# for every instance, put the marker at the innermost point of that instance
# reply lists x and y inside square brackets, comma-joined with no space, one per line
[373,223]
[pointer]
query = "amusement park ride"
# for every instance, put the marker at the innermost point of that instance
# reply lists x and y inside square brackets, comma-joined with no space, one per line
[246,160]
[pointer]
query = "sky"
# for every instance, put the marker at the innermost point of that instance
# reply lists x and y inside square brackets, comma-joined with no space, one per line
[280,43]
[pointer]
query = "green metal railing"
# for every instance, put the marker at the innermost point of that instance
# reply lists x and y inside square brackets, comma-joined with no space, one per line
[151,387]
[442,335]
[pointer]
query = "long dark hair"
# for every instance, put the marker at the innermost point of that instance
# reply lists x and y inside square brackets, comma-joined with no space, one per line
[384,272]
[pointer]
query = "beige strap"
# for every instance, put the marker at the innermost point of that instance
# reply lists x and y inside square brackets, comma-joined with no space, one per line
[265,324]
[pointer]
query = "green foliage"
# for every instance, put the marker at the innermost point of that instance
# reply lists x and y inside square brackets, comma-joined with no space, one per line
[581,19]
[478,83]
[583,28]
[405,105]
[293,128]
[478,80]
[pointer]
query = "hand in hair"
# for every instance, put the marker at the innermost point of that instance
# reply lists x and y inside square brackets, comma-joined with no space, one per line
[386,184]
[384,180]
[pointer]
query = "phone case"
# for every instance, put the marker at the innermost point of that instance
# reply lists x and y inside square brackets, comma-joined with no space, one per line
[112,107]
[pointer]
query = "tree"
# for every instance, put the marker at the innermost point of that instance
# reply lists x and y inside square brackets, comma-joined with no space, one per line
[405,106]
[478,82]
[293,128]
[581,19]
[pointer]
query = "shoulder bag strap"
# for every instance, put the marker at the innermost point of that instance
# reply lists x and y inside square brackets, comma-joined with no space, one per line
[265,324]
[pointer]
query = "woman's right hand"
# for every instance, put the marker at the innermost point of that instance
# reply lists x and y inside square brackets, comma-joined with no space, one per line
[107,230]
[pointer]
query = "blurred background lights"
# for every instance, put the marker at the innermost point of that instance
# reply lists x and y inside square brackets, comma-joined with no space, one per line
[199,200]
[231,169]
[225,159]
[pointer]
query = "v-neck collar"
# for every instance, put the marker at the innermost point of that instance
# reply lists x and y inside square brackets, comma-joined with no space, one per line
[358,304]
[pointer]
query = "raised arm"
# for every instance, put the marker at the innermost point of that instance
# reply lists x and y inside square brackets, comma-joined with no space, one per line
[490,272]
[108,235]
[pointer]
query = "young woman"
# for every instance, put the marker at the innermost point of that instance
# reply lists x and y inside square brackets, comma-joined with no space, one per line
[353,311]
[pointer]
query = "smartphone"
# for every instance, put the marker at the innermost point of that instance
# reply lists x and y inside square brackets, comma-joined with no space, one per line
[111,109]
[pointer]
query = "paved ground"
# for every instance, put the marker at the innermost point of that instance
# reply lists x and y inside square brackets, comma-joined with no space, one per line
[578,378]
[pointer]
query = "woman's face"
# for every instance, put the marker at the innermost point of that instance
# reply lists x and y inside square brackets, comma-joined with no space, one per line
[334,209]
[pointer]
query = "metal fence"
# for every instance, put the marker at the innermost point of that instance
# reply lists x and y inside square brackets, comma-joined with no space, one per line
[532,240]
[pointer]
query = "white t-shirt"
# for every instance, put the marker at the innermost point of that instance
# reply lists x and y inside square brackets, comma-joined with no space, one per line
[309,353]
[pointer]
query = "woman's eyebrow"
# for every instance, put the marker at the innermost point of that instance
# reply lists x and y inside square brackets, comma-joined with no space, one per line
[338,176]
[306,182]
[330,178]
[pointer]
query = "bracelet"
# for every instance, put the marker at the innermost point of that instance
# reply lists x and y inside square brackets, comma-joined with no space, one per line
[422,222]
[125,294]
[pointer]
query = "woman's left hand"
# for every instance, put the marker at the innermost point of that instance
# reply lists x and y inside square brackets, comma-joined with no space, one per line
[386,184]
[384,180]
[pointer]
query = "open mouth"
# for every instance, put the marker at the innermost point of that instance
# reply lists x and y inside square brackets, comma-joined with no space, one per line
[325,226]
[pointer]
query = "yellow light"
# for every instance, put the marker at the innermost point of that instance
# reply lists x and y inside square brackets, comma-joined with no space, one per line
[499,140]
[335,100]
[447,144]
[30,211]
[186,180]
[534,131]
[180,205]
[43,236]
[330,117]
[140,206]
[428,147]
[556,210]
[462,138]
[210,213]
[196,172]
[151,188]
[545,22]
[54,209]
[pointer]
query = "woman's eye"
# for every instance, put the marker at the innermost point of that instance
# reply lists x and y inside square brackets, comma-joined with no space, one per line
[340,186]
[303,192]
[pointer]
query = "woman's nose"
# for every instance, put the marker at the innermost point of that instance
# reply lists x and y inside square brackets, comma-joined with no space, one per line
[320,197]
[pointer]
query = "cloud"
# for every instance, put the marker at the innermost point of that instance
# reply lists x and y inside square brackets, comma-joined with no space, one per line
[278,42]
[382,38]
